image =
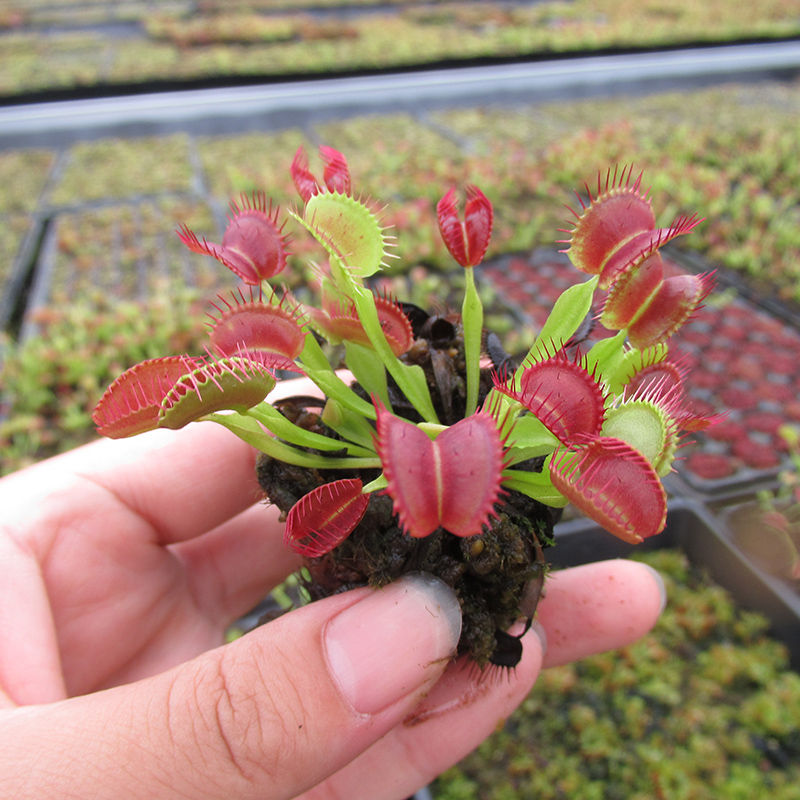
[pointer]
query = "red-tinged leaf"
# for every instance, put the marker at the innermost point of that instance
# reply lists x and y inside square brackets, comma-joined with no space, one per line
[132,402]
[562,394]
[325,517]
[667,374]
[671,306]
[615,215]
[478,223]
[337,173]
[340,323]
[641,245]
[623,258]
[471,460]
[690,422]
[305,183]
[270,331]
[253,245]
[467,241]
[234,384]
[414,479]
[451,228]
[631,291]
[613,484]
[395,324]
[451,482]
[344,324]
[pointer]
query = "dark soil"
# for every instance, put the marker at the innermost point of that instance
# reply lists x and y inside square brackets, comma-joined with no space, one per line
[497,576]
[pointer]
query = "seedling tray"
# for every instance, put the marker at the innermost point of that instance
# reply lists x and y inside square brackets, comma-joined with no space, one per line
[22,237]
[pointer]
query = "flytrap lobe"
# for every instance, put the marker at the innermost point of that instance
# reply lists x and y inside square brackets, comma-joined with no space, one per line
[253,246]
[429,460]
[616,238]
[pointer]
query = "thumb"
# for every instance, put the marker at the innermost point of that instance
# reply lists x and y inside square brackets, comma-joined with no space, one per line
[270,715]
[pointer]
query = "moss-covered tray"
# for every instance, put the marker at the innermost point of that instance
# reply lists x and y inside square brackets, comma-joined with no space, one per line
[128,251]
[19,237]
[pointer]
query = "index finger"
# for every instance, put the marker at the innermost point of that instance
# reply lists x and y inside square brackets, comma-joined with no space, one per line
[597,607]
[182,483]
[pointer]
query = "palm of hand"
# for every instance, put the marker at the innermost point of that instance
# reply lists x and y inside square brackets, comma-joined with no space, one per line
[119,569]
[120,595]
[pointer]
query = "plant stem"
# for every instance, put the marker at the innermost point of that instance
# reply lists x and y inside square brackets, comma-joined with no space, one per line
[249,430]
[472,319]
[410,379]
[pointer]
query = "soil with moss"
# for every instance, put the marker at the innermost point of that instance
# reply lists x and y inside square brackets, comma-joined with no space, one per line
[702,708]
[497,576]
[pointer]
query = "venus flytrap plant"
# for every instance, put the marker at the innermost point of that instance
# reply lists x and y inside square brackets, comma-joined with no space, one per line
[432,460]
[252,247]
[467,242]
[438,482]
[357,247]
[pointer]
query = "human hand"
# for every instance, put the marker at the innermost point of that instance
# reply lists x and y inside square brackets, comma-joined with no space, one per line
[125,562]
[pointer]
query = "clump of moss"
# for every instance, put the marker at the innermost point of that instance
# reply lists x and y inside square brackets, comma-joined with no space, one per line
[704,707]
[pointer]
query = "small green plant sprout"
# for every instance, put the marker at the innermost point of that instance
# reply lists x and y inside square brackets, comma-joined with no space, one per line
[598,428]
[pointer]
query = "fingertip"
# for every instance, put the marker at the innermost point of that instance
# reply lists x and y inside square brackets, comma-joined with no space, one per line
[662,587]
[598,607]
[465,706]
[487,694]
[541,634]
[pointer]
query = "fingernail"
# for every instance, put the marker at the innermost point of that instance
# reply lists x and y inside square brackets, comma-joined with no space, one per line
[541,634]
[661,586]
[394,640]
